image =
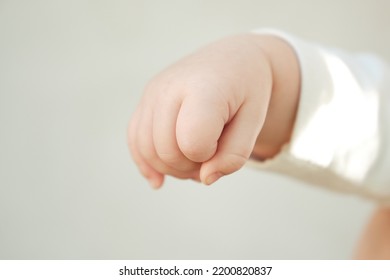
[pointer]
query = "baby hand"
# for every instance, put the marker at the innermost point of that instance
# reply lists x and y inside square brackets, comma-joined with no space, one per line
[200,118]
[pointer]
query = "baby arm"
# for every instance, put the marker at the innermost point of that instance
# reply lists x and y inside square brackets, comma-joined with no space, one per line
[205,115]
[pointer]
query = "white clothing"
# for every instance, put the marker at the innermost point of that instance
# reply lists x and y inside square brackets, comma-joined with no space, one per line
[341,137]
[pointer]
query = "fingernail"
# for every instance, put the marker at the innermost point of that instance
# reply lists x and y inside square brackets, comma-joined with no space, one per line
[213,177]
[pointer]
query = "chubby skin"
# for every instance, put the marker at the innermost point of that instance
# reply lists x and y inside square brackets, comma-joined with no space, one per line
[204,116]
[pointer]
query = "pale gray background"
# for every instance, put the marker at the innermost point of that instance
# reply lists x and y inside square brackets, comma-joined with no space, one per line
[71,73]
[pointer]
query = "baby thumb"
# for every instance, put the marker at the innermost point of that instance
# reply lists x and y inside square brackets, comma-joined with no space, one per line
[234,146]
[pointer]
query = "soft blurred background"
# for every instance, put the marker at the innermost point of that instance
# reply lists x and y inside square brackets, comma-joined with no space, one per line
[72,72]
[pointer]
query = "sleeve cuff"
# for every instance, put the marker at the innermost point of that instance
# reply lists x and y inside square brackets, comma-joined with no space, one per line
[338,135]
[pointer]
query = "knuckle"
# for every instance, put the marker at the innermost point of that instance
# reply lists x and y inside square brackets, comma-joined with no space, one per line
[196,152]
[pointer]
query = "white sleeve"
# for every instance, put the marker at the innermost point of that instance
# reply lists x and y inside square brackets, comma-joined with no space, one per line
[341,135]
